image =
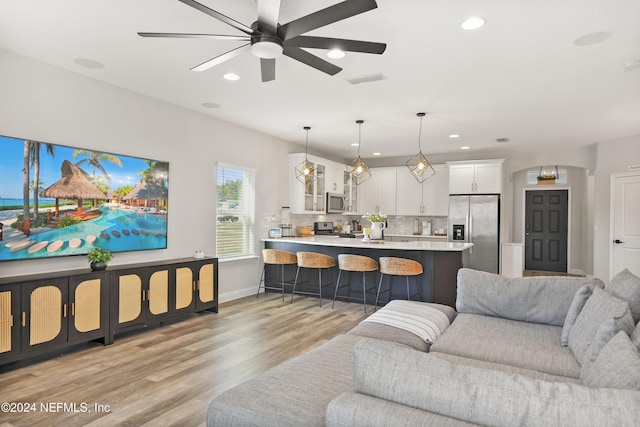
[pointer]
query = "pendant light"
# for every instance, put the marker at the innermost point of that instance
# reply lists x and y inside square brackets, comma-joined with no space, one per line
[418,165]
[305,171]
[359,169]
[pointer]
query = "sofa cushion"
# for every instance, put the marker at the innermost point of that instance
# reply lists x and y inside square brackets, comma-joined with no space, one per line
[543,299]
[357,410]
[393,334]
[601,318]
[529,373]
[484,396]
[293,393]
[520,344]
[635,336]
[626,285]
[579,300]
[617,365]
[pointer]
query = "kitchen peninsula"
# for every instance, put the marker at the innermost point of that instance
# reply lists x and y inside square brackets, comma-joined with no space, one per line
[440,262]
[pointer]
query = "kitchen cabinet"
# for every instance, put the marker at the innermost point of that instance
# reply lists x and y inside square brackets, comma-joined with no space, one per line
[429,198]
[475,177]
[42,314]
[307,197]
[334,180]
[378,193]
[350,193]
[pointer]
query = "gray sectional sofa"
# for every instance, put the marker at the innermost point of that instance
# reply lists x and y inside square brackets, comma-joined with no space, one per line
[530,351]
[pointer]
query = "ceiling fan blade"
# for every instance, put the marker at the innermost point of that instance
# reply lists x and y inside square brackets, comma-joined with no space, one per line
[268,69]
[196,36]
[219,16]
[268,12]
[331,43]
[311,60]
[324,17]
[221,58]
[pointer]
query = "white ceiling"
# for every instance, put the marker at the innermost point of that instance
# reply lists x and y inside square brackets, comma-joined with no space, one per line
[520,76]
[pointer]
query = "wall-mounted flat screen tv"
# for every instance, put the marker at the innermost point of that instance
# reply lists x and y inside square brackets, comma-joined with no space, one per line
[57,200]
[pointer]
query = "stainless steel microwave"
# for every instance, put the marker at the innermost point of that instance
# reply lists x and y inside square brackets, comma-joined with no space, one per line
[335,203]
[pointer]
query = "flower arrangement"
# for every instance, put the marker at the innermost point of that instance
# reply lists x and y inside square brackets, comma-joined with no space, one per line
[380,217]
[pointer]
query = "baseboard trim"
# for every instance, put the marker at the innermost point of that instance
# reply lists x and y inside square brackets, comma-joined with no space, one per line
[237,294]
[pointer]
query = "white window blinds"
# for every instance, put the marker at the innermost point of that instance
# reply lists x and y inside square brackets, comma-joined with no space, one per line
[235,222]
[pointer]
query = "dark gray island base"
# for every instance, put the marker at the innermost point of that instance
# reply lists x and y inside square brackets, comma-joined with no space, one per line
[440,262]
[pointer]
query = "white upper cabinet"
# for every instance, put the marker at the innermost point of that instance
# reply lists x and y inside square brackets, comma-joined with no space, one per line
[378,193]
[335,177]
[475,177]
[430,198]
[310,196]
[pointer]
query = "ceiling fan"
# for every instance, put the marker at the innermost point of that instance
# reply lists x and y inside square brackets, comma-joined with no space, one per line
[267,39]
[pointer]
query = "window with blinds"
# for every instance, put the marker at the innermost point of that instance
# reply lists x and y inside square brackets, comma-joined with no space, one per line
[235,222]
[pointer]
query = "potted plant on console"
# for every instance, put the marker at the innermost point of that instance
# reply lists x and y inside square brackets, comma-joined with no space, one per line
[99,258]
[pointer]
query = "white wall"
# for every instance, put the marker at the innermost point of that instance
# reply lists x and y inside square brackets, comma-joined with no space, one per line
[48,104]
[612,157]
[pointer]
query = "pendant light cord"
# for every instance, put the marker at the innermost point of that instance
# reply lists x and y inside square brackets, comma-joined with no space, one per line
[421,115]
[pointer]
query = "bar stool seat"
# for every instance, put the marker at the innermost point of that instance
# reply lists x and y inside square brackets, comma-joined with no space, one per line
[276,257]
[316,261]
[357,263]
[393,266]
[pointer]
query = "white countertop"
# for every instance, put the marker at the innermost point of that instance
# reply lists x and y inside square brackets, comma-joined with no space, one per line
[358,243]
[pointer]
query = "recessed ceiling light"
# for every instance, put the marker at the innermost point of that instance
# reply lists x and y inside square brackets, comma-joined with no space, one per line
[231,77]
[631,65]
[502,140]
[335,54]
[472,23]
[466,147]
[88,63]
[454,135]
[592,38]
[376,154]
[355,144]
[210,105]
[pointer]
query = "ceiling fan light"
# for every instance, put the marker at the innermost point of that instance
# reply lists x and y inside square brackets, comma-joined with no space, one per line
[267,47]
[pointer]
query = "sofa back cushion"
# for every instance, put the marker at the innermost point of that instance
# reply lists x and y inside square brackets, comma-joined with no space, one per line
[602,317]
[617,365]
[484,396]
[543,299]
[625,285]
[579,300]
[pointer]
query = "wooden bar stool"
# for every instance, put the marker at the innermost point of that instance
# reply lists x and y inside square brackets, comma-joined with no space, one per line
[359,263]
[313,260]
[398,267]
[276,257]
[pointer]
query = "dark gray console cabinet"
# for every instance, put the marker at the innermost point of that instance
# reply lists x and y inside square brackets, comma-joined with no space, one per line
[44,313]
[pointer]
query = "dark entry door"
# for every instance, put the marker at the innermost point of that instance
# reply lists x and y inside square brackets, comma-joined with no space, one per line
[546,229]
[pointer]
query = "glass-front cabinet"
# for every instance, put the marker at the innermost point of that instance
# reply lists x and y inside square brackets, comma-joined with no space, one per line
[350,193]
[308,196]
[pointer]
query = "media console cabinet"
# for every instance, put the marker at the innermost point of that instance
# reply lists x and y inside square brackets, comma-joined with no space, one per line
[44,313]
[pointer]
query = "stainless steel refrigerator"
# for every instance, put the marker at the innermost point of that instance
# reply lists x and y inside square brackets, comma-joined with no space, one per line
[476,219]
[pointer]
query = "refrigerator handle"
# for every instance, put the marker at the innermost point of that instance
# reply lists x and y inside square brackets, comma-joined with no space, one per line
[470,230]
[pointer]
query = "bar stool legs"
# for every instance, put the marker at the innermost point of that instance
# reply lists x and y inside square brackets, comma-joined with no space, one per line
[398,267]
[276,257]
[355,263]
[312,260]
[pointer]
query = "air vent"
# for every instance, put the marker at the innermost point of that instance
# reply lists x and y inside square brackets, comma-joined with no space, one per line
[502,140]
[366,79]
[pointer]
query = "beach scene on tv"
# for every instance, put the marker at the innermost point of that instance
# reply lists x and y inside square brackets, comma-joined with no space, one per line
[57,200]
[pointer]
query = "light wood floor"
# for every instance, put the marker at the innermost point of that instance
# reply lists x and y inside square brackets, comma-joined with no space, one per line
[168,375]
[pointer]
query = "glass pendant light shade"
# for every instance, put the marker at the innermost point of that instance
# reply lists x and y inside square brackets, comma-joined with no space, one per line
[358,168]
[305,171]
[418,165]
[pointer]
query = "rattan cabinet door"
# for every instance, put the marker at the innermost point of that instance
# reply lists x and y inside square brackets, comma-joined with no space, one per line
[10,318]
[207,284]
[184,287]
[89,314]
[46,308]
